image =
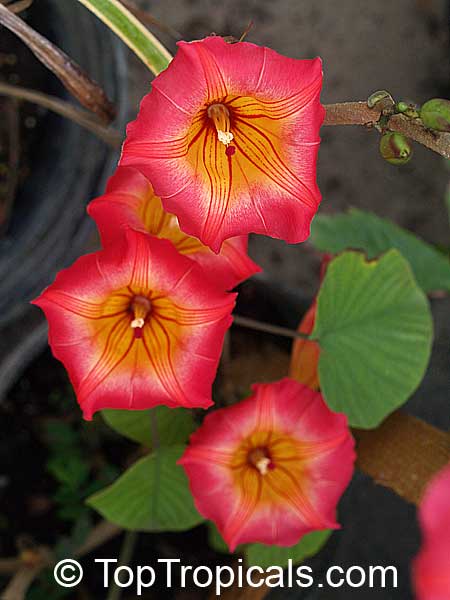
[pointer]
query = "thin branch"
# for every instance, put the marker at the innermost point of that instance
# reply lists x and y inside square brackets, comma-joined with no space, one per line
[358,113]
[268,328]
[12,113]
[351,113]
[65,109]
[19,6]
[100,534]
[8,566]
[413,128]
[126,554]
[24,574]
[71,75]
[19,584]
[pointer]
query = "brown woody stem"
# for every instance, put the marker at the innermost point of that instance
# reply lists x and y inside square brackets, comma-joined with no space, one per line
[358,113]
[403,453]
[24,575]
[72,76]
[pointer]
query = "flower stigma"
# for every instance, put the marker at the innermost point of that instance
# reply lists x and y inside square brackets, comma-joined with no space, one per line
[220,116]
[140,308]
[258,457]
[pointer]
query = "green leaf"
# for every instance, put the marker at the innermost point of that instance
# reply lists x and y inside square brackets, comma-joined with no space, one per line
[131,31]
[66,545]
[361,230]
[60,436]
[374,328]
[447,202]
[70,470]
[266,556]
[174,424]
[153,495]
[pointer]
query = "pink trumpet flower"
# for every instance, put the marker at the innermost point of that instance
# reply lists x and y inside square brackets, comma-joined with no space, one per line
[137,325]
[271,468]
[229,137]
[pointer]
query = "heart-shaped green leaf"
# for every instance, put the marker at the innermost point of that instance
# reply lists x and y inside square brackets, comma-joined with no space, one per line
[153,495]
[174,425]
[365,231]
[266,556]
[374,328]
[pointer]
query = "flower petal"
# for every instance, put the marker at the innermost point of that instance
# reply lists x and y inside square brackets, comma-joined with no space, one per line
[305,355]
[129,201]
[431,568]
[172,360]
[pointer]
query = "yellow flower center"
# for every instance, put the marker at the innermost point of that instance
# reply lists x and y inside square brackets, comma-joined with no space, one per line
[269,463]
[220,116]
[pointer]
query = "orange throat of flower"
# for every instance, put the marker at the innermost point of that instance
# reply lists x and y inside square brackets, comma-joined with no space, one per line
[268,466]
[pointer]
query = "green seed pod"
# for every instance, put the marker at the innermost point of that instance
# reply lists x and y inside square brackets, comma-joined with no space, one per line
[435,114]
[395,148]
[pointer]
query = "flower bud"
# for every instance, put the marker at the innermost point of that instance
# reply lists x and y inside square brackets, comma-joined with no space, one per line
[379,96]
[409,110]
[395,148]
[401,107]
[435,114]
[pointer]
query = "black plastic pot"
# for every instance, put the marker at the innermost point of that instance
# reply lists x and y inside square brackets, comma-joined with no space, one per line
[49,227]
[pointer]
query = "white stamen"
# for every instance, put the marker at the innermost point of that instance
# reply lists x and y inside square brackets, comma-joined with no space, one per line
[138,323]
[226,137]
[263,465]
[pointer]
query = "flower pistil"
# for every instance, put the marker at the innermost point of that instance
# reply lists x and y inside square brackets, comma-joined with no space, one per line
[220,116]
[140,308]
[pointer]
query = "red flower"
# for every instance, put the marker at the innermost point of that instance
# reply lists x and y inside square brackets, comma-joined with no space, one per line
[431,568]
[137,325]
[130,201]
[272,467]
[305,355]
[229,137]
